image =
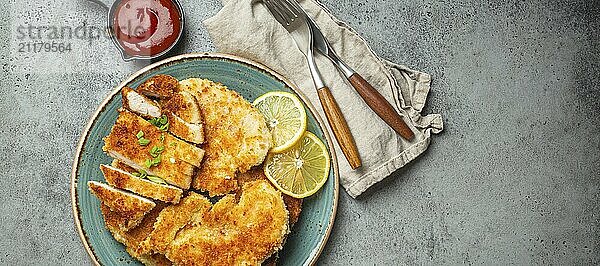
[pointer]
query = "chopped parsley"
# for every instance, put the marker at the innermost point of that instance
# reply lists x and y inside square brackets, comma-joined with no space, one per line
[140,134]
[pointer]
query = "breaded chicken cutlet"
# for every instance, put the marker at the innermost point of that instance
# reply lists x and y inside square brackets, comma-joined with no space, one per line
[242,233]
[293,205]
[248,226]
[130,207]
[121,179]
[171,219]
[236,133]
[159,86]
[177,160]
[140,104]
[132,238]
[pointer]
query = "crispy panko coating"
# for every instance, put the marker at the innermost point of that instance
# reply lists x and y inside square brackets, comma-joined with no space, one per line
[185,117]
[130,207]
[132,238]
[177,160]
[236,134]
[293,205]
[171,219]
[121,179]
[159,86]
[243,233]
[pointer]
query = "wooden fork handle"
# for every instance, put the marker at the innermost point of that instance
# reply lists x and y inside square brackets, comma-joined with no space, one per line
[381,106]
[340,128]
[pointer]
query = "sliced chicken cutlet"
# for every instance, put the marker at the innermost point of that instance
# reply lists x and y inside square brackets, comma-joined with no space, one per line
[124,180]
[185,106]
[185,117]
[236,134]
[293,205]
[132,238]
[130,207]
[177,160]
[171,220]
[159,86]
[242,233]
[193,133]
[140,104]
[120,165]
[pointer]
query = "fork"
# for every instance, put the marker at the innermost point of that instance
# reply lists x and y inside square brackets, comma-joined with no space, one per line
[289,16]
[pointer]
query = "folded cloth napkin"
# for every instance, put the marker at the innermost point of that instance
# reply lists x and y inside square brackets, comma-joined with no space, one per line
[246,28]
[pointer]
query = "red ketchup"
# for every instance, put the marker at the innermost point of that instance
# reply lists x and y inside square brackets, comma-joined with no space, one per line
[146,27]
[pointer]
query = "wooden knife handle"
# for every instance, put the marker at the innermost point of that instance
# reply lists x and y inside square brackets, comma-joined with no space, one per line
[340,128]
[381,106]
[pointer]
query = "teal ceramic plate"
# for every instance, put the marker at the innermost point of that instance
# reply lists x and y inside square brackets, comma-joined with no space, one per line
[251,80]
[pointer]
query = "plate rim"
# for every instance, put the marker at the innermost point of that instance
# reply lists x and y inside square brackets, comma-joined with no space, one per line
[211,55]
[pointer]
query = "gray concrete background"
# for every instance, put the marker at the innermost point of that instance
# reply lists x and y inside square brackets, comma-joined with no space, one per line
[513,179]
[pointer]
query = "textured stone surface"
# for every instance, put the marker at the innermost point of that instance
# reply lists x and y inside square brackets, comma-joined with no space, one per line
[514,178]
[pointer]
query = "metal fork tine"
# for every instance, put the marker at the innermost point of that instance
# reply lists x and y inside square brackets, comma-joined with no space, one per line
[285,12]
[275,11]
[293,6]
[290,9]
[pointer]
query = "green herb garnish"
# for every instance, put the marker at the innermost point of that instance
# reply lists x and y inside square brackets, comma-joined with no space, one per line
[148,163]
[156,160]
[156,151]
[164,127]
[140,134]
[156,179]
[143,141]
[161,122]
[152,162]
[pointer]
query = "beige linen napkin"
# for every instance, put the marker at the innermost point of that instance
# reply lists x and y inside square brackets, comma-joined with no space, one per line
[246,28]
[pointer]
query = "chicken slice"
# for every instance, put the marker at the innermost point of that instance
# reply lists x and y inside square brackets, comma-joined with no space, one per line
[177,159]
[144,187]
[132,238]
[159,86]
[132,208]
[242,233]
[139,104]
[171,220]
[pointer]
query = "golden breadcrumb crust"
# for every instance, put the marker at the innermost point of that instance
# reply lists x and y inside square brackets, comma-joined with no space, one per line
[171,219]
[123,180]
[177,160]
[293,205]
[131,208]
[243,233]
[184,105]
[132,238]
[236,134]
[159,86]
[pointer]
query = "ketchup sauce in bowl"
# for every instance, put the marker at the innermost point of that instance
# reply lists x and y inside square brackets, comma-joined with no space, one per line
[144,29]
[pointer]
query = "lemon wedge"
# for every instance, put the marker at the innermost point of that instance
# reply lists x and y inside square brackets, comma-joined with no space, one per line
[302,170]
[285,116]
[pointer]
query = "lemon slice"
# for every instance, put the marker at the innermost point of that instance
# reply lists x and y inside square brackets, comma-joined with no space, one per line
[302,170]
[286,118]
